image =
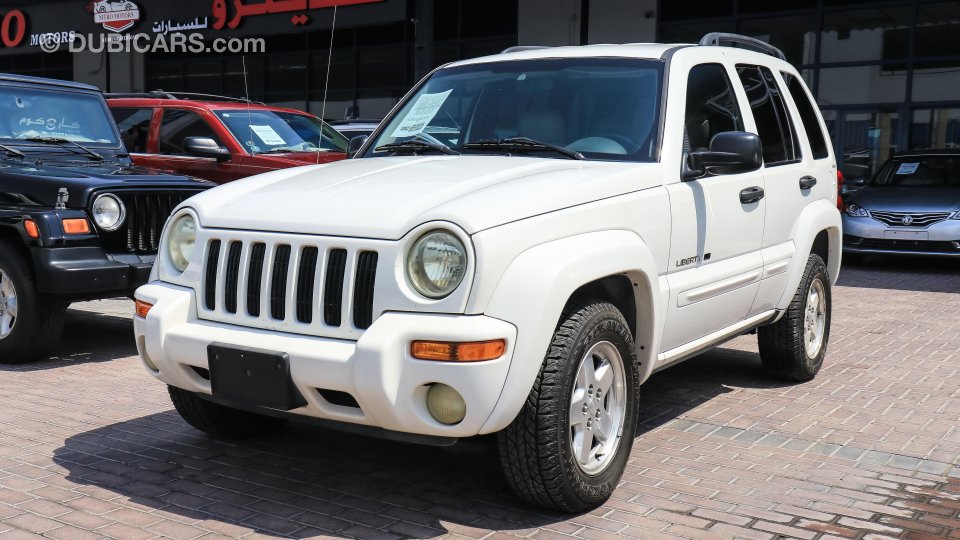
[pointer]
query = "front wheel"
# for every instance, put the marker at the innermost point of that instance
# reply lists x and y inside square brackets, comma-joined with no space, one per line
[30,323]
[793,347]
[568,447]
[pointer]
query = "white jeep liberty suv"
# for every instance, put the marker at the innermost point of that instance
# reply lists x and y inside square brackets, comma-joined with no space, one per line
[522,242]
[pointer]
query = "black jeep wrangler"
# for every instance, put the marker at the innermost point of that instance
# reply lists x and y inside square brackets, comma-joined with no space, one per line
[77,220]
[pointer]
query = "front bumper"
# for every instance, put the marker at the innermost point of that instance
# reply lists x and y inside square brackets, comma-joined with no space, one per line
[377,371]
[89,271]
[867,236]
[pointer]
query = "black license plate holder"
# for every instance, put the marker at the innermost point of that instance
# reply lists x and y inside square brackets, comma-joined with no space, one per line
[249,376]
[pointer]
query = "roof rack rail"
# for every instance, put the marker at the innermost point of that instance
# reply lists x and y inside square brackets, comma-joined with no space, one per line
[161,94]
[721,39]
[519,48]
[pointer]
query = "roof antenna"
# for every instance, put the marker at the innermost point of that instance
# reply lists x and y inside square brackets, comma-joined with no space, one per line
[326,84]
[246,92]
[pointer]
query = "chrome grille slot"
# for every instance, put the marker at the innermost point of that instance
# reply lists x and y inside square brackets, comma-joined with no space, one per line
[333,287]
[278,282]
[254,277]
[232,277]
[909,219]
[292,283]
[363,289]
[210,280]
[306,278]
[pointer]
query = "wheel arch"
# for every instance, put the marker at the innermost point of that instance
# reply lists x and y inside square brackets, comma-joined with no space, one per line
[818,231]
[550,277]
[11,236]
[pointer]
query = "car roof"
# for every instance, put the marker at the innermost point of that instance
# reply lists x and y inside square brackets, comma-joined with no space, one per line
[650,51]
[198,103]
[922,152]
[27,79]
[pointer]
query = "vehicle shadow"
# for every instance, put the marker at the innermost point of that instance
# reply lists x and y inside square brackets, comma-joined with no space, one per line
[904,273]
[87,337]
[302,481]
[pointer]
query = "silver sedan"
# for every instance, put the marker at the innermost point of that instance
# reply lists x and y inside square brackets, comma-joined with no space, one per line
[912,206]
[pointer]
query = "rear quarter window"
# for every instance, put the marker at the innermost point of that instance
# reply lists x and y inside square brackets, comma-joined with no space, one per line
[808,115]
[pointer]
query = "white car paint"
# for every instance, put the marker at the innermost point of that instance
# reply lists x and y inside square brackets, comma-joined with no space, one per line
[536,230]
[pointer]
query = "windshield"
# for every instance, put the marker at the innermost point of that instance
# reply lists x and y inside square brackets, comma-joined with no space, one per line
[920,171]
[27,113]
[262,131]
[604,108]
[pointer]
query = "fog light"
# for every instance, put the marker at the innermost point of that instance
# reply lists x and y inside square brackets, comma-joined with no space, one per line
[445,404]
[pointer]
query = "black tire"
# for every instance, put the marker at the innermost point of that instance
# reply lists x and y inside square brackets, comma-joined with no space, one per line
[782,349]
[536,450]
[218,421]
[39,321]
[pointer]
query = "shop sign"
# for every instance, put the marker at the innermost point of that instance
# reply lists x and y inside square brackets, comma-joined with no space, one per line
[241,9]
[13,27]
[114,15]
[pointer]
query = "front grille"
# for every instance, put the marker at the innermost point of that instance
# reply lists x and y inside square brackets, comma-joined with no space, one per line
[909,219]
[927,246]
[289,284]
[147,212]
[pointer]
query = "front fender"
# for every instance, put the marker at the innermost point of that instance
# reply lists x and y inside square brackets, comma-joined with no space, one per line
[536,286]
[817,216]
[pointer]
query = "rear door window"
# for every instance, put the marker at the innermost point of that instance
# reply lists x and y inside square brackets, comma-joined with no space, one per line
[774,125]
[134,124]
[177,125]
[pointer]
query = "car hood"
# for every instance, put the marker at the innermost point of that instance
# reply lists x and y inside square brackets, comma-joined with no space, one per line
[908,199]
[387,197]
[38,184]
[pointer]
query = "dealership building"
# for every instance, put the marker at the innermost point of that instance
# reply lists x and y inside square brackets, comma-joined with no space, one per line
[886,73]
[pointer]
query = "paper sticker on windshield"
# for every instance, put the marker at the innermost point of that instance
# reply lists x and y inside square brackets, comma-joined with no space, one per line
[268,135]
[908,168]
[420,114]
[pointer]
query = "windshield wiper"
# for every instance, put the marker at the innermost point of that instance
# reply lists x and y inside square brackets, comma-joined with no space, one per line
[12,151]
[64,142]
[522,143]
[414,145]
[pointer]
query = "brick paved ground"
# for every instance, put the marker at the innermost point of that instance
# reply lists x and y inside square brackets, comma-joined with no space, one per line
[89,446]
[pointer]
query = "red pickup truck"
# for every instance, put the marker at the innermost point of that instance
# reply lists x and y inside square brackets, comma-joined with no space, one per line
[219,138]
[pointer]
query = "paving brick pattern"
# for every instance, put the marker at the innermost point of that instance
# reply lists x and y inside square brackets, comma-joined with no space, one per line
[89,447]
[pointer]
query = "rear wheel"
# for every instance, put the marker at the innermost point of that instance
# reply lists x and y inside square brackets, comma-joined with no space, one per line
[569,445]
[219,421]
[793,347]
[30,323]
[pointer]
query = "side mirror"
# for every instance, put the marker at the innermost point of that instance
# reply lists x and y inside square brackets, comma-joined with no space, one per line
[205,147]
[730,152]
[355,145]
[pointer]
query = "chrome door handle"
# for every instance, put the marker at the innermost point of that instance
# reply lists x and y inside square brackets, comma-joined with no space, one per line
[751,195]
[807,182]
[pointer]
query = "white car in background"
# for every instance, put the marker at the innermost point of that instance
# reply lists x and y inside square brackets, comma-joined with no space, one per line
[521,243]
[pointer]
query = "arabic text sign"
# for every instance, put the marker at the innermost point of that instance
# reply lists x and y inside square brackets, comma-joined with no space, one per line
[241,9]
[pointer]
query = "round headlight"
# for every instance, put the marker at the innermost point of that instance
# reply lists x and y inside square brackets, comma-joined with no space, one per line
[108,212]
[180,241]
[436,264]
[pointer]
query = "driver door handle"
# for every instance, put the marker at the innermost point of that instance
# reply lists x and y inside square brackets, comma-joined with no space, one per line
[751,195]
[807,182]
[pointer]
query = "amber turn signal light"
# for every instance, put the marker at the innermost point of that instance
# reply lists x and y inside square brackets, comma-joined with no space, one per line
[142,308]
[31,227]
[446,351]
[76,226]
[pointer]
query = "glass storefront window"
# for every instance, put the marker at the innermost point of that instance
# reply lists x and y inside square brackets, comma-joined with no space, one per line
[691,33]
[874,34]
[937,28]
[868,139]
[936,81]
[862,85]
[793,35]
[935,128]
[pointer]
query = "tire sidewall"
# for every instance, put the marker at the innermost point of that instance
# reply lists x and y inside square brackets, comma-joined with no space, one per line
[605,326]
[817,271]
[12,265]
